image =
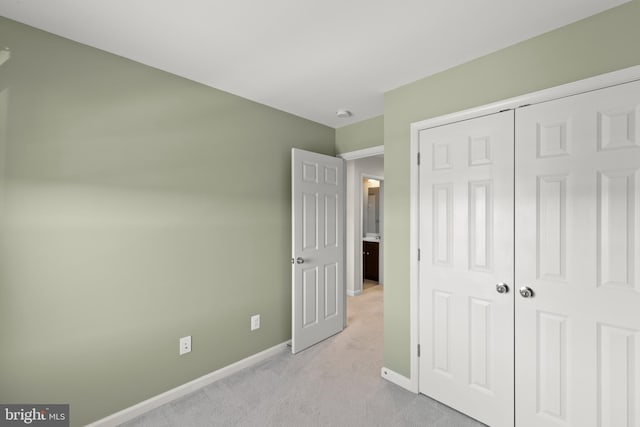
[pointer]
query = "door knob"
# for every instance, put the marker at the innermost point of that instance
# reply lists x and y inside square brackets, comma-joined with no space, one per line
[502,288]
[526,292]
[299,260]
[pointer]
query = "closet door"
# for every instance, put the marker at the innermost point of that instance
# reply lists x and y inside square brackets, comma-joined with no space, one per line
[578,253]
[466,267]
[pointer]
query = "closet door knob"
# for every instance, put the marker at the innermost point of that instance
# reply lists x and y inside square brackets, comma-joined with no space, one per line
[502,288]
[526,292]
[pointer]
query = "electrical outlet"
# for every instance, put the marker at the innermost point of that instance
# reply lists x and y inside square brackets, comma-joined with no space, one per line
[255,322]
[185,345]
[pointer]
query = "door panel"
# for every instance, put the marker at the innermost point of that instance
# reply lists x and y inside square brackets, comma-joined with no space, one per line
[317,248]
[577,242]
[466,238]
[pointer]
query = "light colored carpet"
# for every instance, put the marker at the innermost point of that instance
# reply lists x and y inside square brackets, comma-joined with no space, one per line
[366,284]
[334,383]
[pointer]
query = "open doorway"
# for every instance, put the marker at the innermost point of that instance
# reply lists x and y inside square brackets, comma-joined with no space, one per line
[364,303]
[360,221]
[371,224]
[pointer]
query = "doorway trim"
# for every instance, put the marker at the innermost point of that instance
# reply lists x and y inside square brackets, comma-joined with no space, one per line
[613,78]
[361,154]
[364,176]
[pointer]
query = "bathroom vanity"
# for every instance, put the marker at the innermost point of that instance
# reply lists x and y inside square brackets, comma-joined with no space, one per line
[370,259]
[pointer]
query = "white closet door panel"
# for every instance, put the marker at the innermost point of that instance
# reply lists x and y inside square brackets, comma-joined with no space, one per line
[578,249]
[466,241]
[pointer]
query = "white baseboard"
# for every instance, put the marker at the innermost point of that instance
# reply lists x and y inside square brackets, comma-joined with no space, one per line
[353,293]
[138,409]
[399,380]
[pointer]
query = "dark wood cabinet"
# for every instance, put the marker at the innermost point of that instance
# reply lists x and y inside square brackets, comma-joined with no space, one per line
[370,260]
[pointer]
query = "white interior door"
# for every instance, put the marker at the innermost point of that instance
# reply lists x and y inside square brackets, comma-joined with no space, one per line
[466,241]
[578,250]
[318,212]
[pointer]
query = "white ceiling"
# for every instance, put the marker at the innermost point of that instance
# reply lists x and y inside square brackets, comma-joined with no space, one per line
[309,58]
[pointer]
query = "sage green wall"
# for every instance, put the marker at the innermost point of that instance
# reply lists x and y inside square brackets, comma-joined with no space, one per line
[360,135]
[602,43]
[137,207]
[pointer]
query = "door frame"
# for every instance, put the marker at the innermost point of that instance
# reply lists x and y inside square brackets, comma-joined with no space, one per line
[355,155]
[622,76]
[364,176]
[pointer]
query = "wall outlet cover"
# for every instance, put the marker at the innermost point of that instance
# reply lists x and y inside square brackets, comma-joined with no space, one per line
[185,345]
[255,322]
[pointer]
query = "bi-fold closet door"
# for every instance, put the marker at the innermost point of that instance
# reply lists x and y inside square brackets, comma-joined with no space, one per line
[529,288]
[466,245]
[578,249]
